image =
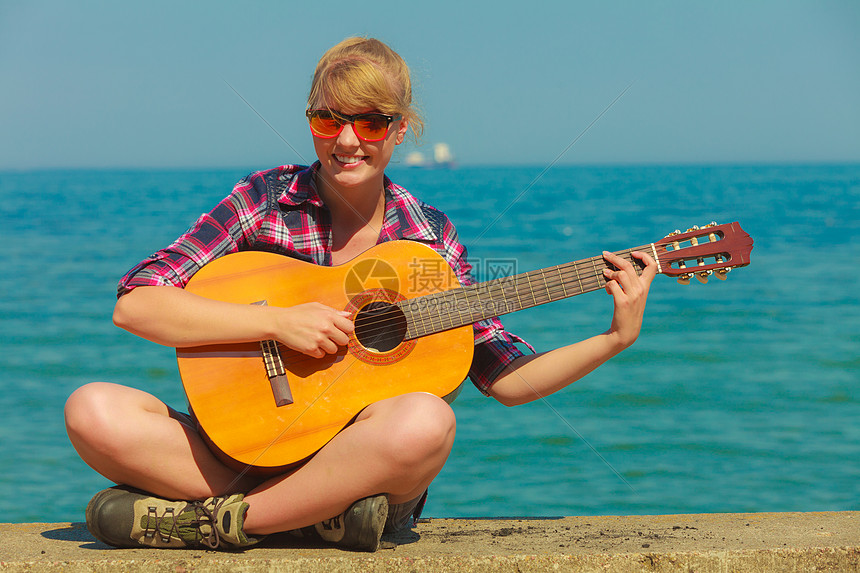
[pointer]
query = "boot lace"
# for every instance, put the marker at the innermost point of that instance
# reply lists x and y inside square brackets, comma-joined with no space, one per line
[202,515]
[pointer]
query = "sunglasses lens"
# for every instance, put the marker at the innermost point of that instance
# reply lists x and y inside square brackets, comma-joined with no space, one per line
[323,124]
[368,126]
[371,127]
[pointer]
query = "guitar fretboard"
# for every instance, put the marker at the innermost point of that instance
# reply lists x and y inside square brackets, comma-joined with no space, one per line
[458,307]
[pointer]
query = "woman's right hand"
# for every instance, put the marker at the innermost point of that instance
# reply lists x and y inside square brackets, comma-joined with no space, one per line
[313,328]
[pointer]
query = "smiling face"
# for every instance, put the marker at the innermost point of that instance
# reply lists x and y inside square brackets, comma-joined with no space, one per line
[349,162]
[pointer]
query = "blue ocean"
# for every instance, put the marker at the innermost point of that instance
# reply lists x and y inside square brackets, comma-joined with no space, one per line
[739,396]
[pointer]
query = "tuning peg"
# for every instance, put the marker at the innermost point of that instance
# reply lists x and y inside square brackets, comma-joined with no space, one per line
[685,278]
[721,273]
[711,224]
[693,228]
[703,276]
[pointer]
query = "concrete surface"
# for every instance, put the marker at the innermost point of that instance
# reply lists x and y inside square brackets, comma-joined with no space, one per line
[711,542]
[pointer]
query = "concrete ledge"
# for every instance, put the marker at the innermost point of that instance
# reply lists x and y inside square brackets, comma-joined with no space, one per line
[710,542]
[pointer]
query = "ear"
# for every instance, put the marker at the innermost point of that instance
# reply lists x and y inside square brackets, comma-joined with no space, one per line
[401,131]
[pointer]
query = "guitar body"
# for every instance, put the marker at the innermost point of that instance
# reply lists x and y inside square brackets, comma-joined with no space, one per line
[230,390]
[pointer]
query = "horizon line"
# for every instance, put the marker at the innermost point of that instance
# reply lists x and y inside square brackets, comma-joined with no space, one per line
[457,166]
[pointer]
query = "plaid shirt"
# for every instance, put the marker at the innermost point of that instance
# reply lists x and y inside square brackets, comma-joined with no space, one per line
[279,211]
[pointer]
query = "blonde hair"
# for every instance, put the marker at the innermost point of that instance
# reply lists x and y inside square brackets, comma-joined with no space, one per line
[364,73]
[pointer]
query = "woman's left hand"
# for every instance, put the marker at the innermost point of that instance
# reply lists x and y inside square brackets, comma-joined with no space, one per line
[629,290]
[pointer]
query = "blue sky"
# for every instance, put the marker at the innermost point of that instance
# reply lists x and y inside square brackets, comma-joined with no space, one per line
[114,84]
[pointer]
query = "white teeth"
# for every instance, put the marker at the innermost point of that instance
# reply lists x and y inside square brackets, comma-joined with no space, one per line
[348,158]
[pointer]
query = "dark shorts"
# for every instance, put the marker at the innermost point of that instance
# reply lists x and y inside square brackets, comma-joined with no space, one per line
[401,516]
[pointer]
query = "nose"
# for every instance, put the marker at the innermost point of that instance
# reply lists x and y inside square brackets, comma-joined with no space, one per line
[347,136]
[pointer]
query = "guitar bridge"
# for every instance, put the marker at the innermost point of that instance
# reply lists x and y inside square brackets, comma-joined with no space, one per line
[275,370]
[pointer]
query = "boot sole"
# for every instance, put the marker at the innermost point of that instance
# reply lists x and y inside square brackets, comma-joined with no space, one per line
[371,522]
[94,509]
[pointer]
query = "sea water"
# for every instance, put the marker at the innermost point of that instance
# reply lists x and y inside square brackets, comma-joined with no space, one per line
[740,395]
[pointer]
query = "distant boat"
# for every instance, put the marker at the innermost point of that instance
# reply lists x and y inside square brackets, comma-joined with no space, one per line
[442,158]
[416,159]
[442,155]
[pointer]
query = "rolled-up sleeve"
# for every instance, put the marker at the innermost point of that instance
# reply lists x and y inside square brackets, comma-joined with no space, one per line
[495,347]
[494,354]
[227,228]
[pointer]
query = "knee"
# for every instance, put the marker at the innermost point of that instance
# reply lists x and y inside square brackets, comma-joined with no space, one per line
[88,411]
[425,430]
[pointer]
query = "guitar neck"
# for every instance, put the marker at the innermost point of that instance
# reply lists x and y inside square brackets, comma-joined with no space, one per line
[458,307]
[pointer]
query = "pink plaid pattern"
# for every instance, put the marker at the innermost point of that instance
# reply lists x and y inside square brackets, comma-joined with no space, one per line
[280,211]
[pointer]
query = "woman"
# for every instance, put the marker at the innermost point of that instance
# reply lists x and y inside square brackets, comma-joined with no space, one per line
[359,109]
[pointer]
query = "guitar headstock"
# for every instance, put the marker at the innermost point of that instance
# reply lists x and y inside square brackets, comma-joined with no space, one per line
[712,249]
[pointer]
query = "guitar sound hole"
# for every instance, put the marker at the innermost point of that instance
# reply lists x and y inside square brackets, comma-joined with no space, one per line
[380,326]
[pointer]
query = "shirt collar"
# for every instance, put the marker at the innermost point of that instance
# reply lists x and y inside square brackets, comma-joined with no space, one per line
[301,188]
[404,218]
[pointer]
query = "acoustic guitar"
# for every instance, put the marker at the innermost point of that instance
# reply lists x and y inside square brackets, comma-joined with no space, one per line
[264,407]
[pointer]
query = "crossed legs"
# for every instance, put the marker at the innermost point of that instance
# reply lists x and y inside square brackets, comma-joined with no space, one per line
[395,446]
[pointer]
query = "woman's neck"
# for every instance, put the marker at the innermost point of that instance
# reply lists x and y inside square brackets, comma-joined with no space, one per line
[357,214]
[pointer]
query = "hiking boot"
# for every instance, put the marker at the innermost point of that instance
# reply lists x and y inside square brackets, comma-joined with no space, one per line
[125,517]
[359,527]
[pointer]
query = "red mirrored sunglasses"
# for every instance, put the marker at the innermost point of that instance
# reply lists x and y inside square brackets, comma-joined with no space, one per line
[372,126]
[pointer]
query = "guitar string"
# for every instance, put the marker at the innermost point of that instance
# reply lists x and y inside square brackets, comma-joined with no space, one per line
[389,318]
[551,287]
[431,321]
[437,317]
[484,289]
[555,289]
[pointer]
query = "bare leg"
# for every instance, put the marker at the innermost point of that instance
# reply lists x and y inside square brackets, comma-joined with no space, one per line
[129,437]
